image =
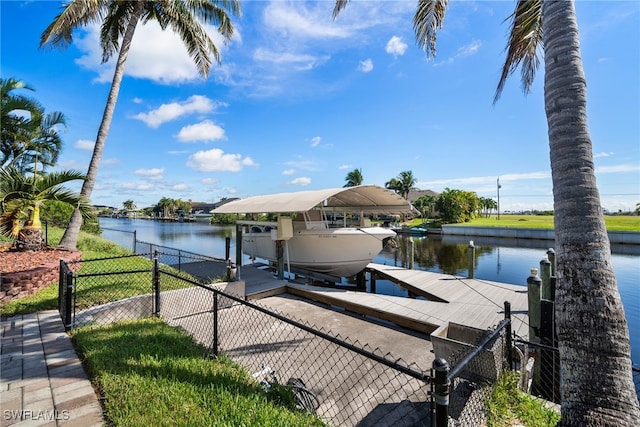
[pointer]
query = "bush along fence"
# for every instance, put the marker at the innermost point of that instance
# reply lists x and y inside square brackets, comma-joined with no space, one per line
[344,382]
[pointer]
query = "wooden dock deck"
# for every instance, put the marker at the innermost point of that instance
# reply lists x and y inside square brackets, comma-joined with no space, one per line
[472,302]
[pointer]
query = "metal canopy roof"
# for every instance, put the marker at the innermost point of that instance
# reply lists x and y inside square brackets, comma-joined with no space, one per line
[363,198]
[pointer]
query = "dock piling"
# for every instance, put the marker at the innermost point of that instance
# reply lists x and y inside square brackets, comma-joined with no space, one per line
[472,258]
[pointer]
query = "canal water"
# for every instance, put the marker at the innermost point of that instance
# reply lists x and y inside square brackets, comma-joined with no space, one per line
[499,260]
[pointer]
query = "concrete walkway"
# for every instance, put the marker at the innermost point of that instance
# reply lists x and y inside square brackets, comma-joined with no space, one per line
[42,382]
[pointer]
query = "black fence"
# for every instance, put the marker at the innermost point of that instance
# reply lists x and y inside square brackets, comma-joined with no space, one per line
[342,381]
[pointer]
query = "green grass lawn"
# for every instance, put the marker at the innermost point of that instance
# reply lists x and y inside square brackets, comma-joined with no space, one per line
[151,374]
[508,406]
[613,223]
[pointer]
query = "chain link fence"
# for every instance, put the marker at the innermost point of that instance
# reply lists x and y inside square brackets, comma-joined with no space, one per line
[343,381]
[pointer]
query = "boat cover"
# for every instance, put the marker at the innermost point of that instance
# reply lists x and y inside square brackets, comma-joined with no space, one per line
[362,198]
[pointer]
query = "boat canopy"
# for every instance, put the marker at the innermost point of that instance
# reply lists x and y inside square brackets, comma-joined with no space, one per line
[359,199]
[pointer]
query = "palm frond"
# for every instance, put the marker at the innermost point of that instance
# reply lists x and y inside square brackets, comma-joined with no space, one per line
[522,48]
[340,4]
[77,13]
[427,20]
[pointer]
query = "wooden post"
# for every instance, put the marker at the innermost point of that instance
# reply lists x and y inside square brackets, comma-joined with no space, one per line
[472,258]
[551,254]
[411,252]
[545,276]
[533,291]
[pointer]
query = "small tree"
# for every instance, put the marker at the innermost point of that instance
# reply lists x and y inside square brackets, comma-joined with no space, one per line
[21,198]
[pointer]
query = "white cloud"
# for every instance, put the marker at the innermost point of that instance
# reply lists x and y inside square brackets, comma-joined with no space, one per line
[154,174]
[110,161]
[178,187]
[603,154]
[84,144]
[195,104]
[157,55]
[302,181]
[618,168]
[343,167]
[209,181]
[462,52]
[366,66]
[203,131]
[215,160]
[315,141]
[396,47]
[301,21]
[137,186]
[297,61]
[288,172]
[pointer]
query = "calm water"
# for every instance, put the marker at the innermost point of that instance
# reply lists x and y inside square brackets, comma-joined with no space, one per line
[500,260]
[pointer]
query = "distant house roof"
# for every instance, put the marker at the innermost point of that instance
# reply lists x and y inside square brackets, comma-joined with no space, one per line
[416,194]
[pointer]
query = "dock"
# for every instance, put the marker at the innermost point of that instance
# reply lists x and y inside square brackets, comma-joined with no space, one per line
[472,302]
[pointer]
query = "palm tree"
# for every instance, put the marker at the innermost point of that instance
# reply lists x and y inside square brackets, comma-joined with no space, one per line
[42,144]
[119,20]
[354,178]
[402,184]
[22,196]
[18,114]
[593,336]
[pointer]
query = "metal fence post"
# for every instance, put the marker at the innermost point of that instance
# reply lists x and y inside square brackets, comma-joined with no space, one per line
[441,393]
[215,323]
[156,284]
[134,241]
[61,283]
[509,344]
[68,300]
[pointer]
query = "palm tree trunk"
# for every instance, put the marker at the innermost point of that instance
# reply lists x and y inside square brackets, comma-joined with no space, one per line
[70,237]
[596,377]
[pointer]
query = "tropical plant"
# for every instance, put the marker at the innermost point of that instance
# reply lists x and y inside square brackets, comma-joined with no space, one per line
[402,184]
[119,21]
[593,334]
[486,205]
[129,205]
[456,206]
[16,112]
[354,178]
[29,136]
[22,196]
[425,204]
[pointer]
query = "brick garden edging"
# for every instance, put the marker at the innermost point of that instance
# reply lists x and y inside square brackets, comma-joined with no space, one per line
[23,283]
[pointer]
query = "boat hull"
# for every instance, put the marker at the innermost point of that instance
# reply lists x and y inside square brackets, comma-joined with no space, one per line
[340,252]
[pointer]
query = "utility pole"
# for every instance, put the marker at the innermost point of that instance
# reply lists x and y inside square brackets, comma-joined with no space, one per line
[499,186]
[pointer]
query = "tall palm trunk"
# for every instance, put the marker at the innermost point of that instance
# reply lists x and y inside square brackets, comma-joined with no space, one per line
[70,237]
[596,377]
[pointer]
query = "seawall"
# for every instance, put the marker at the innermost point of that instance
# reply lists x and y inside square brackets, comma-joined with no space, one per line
[621,237]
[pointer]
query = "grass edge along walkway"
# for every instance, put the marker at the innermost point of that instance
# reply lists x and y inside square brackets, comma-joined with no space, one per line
[149,373]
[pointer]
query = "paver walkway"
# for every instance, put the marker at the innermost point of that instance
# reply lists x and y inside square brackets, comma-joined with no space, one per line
[42,382]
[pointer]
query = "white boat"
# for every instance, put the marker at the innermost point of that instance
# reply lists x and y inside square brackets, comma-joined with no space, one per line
[316,229]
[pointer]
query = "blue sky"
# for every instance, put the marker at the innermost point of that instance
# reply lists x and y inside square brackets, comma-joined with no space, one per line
[300,100]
